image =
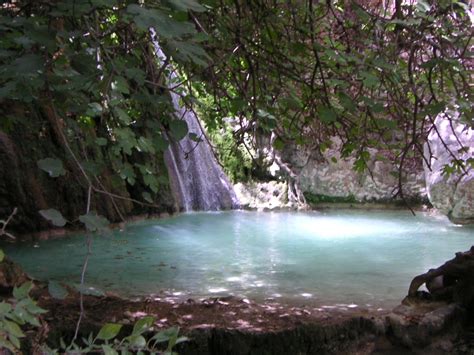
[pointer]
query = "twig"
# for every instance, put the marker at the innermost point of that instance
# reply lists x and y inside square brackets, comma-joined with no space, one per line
[83,272]
[5,223]
[81,290]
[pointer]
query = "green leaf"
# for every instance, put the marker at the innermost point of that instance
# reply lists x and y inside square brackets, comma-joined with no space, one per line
[28,64]
[94,222]
[108,350]
[268,121]
[13,329]
[54,167]
[327,114]
[56,290]
[377,107]
[186,5]
[165,335]
[2,255]
[136,74]
[94,109]
[123,116]
[7,89]
[126,139]
[181,340]
[127,173]
[278,144]
[347,102]
[187,51]
[137,341]
[145,145]
[179,129]
[54,216]
[4,343]
[194,137]
[92,167]
[151,181]
[435,108]
[14,340]
[369,79]
[160,143]
[22,316]
[142,325]
[101,141]
[423,6]
[385,123]
[109,331]
[173,332]
[168,28]
[5,308]
[24,41]
[22,291]
[33,308]
[120,84]
[147,197]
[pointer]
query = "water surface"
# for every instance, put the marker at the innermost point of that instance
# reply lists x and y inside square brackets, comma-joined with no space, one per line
[322,258]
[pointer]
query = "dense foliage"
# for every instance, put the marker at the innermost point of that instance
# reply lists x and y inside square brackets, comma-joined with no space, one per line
[290,72]
[89,68]
[375,74]
[303,72]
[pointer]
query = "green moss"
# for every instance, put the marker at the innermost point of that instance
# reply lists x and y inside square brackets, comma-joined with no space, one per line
[320,198]
[413,202]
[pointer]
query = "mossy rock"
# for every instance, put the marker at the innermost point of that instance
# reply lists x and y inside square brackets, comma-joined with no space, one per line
[320,198]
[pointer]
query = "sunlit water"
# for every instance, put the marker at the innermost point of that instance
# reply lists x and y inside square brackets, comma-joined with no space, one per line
[339,257]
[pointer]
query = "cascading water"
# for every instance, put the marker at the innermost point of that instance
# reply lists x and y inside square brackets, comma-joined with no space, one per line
[197,181]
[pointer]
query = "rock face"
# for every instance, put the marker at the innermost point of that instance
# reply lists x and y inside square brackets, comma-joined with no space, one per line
[417,326]
[263,195]
[453,195]
[331,175]
[343,337]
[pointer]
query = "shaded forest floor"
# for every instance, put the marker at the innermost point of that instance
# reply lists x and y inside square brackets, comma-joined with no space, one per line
[239,326]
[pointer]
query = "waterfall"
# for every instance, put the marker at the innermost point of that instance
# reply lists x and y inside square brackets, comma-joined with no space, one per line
[197,180]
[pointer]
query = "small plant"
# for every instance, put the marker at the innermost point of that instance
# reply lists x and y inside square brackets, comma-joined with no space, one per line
[106,340]
[21,311]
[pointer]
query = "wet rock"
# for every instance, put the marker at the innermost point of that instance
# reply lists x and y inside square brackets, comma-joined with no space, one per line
[418,325]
